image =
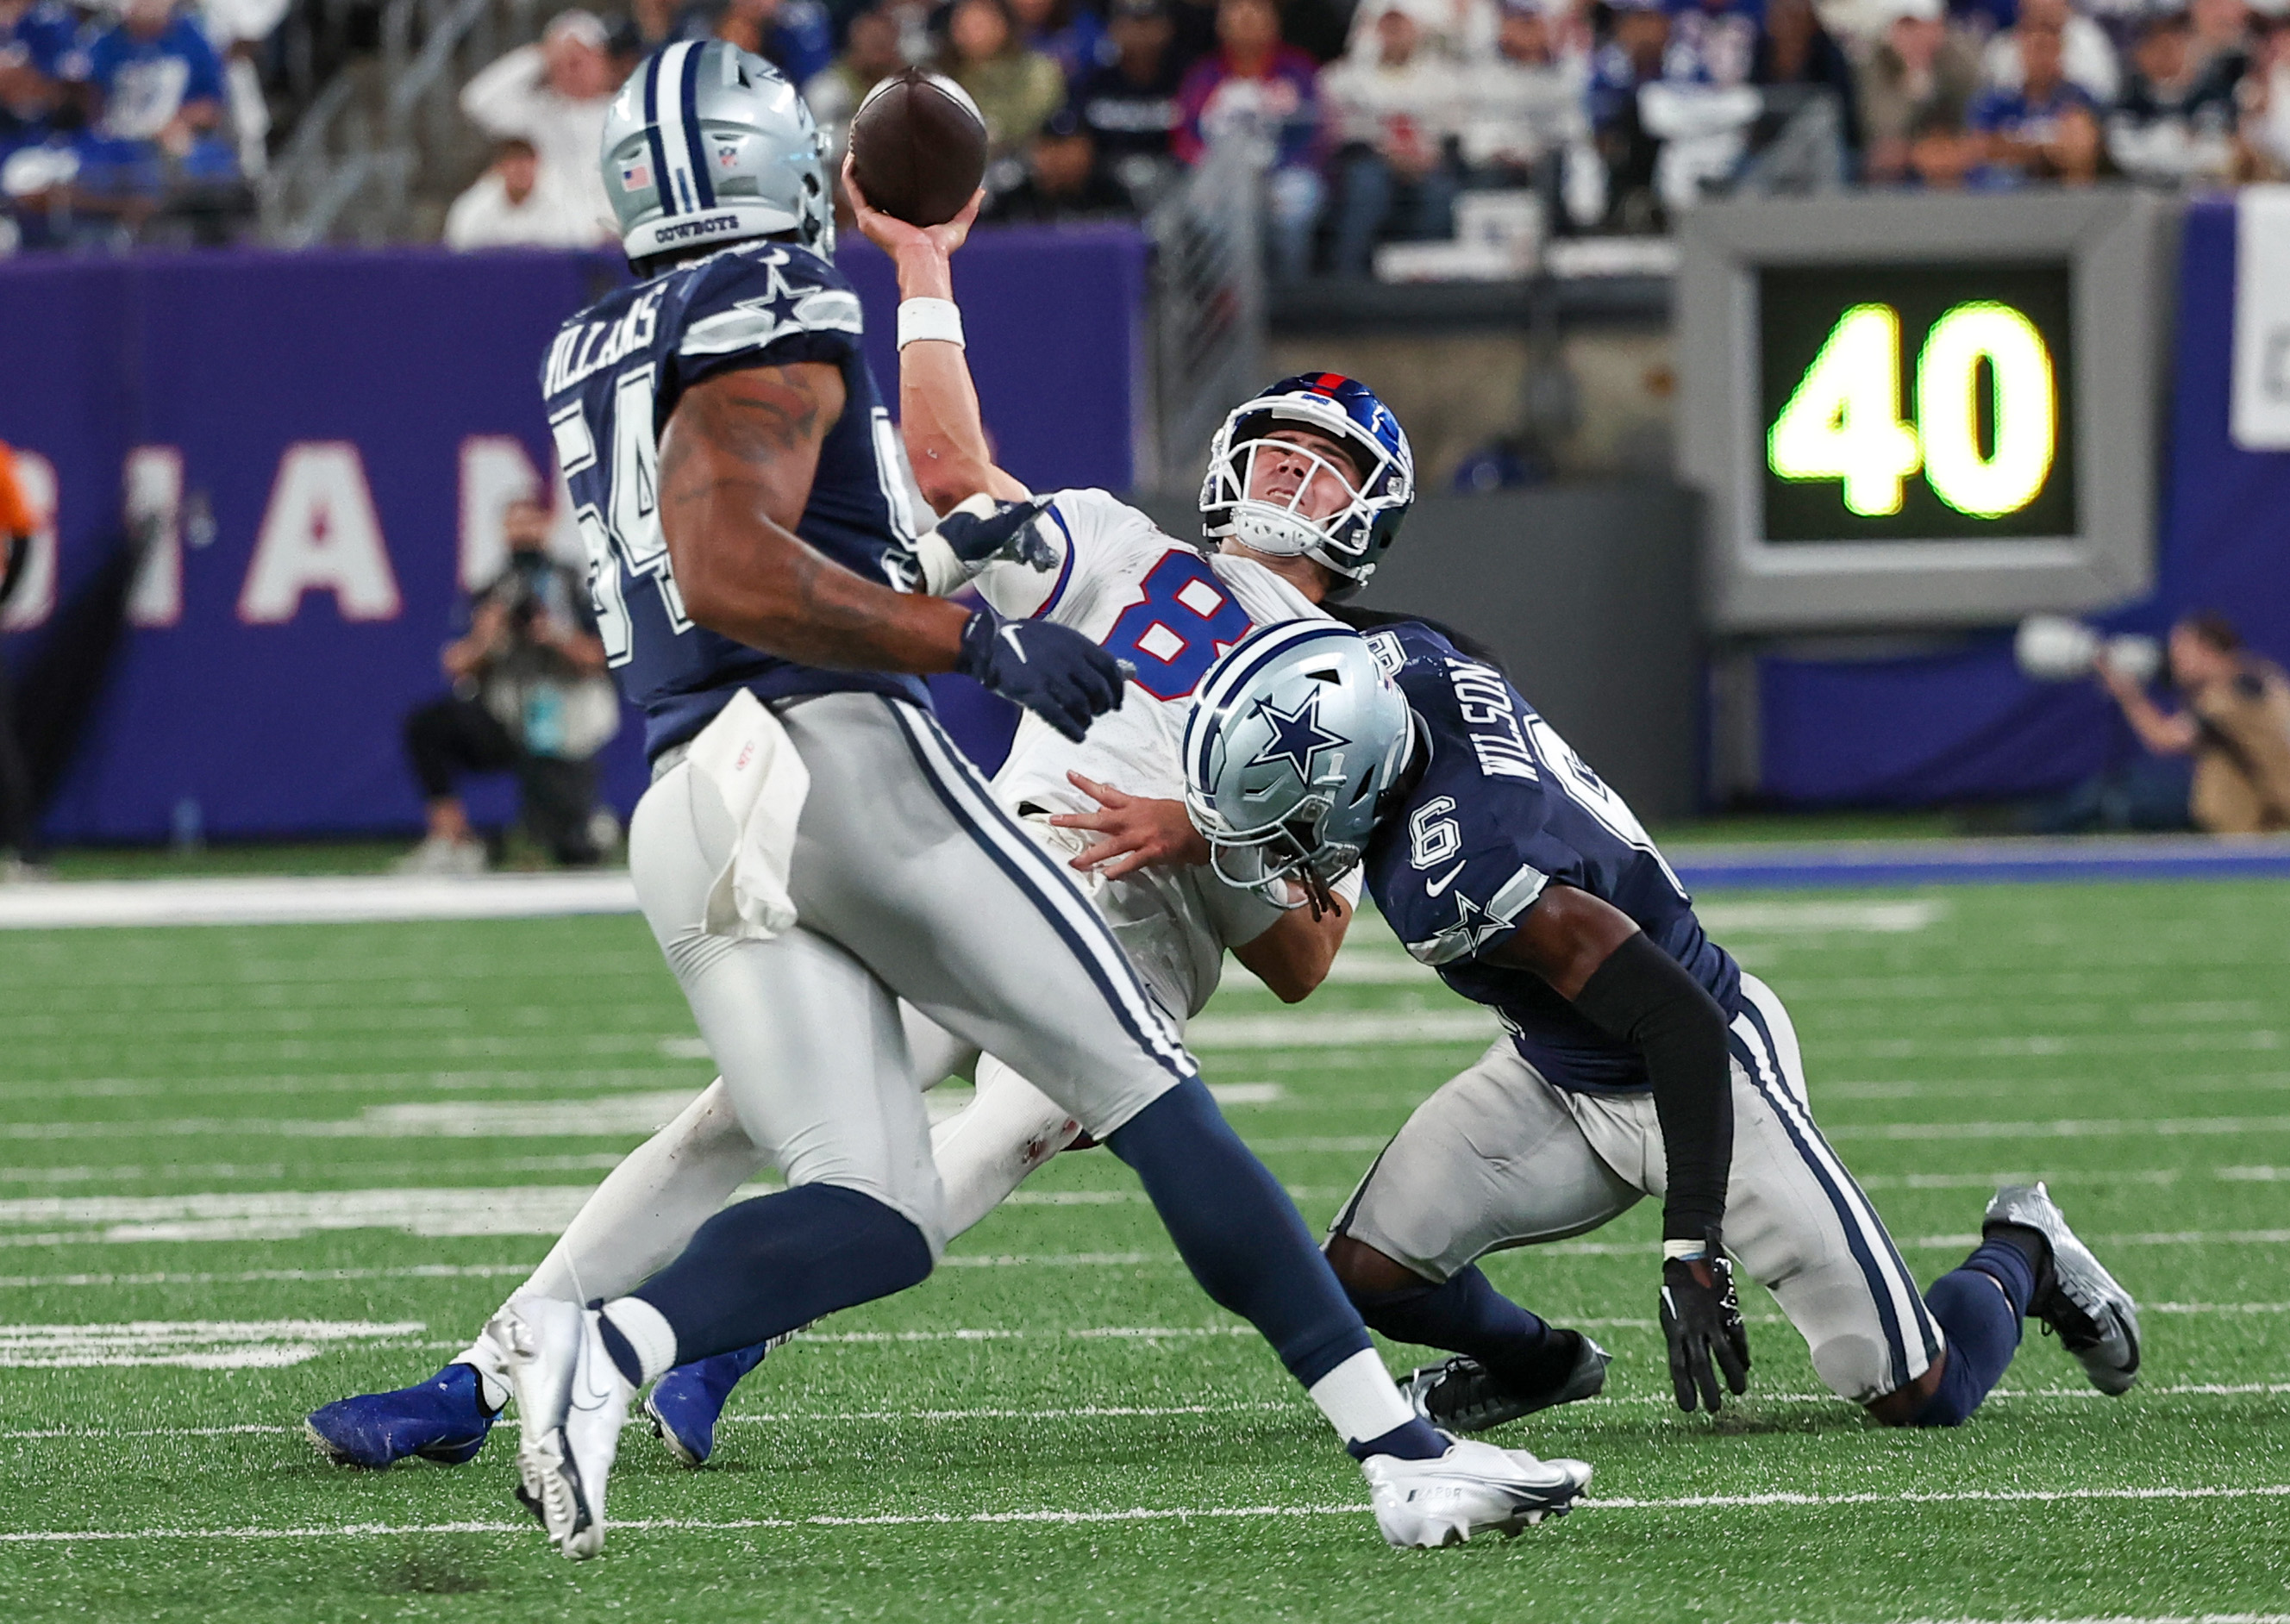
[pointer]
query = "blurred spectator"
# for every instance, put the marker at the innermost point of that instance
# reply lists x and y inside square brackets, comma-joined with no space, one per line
[1263,93]
[793,36]
[1014,87]
[2087,58]
[1391,118]
[2235,727]
[238,30]
[1920,67]
[1130,105]
[1062,179]
[2264,97]
[2221,40]
[871,55]
[1067,32]
[157,91]
[516,205]
[649,25]
[1942,155]
[2029,131]
[2175,121]
[530,697]
[1701,109]
[1795,53]
[38,41]
[1632,56]
[554,95]
[20,836]
[1523,104]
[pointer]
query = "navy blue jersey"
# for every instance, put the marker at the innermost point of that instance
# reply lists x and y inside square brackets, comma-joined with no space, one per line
[612,377]
[1505,808]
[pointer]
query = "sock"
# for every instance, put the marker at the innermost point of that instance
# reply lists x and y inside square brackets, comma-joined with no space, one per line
[1368,1413]
[1980,1306]
[1468,1316]
[763,1268]
[1245,1244]
[641,1342]
[492,1366]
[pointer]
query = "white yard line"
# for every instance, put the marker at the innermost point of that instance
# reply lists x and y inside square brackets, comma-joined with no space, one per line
[1141,1514]
[312,900]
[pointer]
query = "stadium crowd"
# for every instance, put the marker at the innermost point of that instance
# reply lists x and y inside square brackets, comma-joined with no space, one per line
[1372,118]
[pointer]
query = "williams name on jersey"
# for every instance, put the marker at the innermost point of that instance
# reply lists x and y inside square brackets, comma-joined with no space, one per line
[612,377]
[1505,807]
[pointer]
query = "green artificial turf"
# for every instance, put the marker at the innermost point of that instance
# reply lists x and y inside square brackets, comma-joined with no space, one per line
[2132,1042]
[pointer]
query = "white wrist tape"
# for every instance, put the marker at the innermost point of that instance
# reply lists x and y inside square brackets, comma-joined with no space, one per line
[1691,1251]
[929,319]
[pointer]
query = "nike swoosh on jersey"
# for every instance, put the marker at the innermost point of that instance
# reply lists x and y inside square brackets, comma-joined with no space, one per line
[1436,886]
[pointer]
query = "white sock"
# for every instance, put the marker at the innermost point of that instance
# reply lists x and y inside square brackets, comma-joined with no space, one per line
[1360,1399]
[648,1333]
[484,1355]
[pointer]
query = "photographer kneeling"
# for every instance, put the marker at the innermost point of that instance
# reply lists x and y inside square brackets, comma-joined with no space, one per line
[2235,725]
[530,697]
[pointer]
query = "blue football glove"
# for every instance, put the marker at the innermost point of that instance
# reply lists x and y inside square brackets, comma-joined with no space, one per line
[1052,670]
[982,530]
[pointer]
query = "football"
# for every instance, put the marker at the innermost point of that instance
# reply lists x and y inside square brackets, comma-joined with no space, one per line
[918,148]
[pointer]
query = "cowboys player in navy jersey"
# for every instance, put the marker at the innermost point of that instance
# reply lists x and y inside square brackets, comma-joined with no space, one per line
[813,849]
[1638,1059]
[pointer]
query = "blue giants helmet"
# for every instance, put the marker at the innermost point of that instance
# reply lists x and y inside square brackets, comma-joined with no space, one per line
[1380,477]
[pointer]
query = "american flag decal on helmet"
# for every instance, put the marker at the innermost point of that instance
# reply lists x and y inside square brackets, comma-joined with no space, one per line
[635,177]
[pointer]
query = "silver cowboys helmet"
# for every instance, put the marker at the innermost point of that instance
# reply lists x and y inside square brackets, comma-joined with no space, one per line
[1377,471]
[1293,752]
[707,144]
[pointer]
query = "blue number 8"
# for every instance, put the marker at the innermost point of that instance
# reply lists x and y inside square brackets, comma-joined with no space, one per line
[1187,619]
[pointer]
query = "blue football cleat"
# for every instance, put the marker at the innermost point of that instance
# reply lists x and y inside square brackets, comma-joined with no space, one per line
[686,1403]
[444,1419]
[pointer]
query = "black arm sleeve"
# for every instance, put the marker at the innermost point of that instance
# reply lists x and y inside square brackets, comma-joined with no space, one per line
[1644,997]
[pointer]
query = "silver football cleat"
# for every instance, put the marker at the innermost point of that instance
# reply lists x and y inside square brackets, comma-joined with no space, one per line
[2094,1318]
[1473,1487]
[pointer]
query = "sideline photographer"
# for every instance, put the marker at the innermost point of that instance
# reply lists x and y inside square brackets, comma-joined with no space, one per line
[2221,764]
[2236,726]
[530,697]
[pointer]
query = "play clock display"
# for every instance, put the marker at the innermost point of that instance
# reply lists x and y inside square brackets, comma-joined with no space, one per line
[1931,402]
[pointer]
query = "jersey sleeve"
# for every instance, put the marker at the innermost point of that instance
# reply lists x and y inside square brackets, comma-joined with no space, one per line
[1080,527]
[777,307]
[1474,850]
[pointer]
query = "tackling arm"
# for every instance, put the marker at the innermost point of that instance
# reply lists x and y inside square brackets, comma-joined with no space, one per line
[1292,957]
[1596,958]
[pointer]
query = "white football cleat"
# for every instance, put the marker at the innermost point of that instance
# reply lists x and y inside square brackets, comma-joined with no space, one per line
[572,1402]
[1473,1486]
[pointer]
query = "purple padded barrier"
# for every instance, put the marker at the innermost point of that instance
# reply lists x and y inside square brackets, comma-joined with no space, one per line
[339,402]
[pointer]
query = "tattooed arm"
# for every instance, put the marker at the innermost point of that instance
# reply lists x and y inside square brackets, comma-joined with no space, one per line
[736,464]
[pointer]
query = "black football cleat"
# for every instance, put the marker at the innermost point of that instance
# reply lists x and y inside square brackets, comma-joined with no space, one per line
[1462,1395]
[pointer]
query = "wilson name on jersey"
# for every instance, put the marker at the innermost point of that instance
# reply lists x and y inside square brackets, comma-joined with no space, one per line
[1504,808]
[611,379]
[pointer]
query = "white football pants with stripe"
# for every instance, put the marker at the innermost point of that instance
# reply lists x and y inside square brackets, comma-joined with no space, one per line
[910,883]
[1500,1157]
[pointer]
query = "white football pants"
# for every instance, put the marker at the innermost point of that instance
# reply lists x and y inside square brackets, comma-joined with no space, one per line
[1500,1157]
[908,882]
